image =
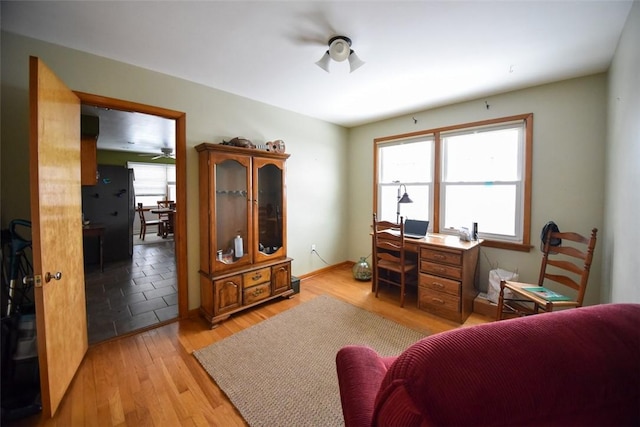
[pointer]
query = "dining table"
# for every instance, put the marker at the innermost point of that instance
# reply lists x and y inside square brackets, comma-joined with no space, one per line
[167,228]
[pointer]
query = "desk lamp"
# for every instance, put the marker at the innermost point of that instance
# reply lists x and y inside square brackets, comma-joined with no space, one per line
[404,199]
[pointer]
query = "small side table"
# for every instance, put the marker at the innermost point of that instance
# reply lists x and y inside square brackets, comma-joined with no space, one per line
[95,230]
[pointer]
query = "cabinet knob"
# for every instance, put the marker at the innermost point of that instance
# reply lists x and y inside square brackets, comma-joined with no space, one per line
[257,276]
[438,300]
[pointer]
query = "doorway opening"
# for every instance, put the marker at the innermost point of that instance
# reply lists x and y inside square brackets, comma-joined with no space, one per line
[149,288]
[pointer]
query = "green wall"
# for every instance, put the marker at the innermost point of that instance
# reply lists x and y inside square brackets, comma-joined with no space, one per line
[120,158]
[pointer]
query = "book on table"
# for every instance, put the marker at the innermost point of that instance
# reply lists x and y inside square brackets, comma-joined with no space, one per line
[547,294]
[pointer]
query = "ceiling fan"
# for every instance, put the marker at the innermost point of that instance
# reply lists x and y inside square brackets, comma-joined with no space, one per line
[166,153]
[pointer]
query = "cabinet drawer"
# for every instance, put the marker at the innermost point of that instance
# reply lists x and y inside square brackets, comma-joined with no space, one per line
[439,303]
[256,293]
[441,269]
[440,284]
[256,277]
[441,257]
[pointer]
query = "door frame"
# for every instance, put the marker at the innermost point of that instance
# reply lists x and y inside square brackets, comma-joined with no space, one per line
[180,226]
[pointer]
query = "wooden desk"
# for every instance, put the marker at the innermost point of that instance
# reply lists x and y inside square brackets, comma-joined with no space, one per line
[447,273]
[95,230]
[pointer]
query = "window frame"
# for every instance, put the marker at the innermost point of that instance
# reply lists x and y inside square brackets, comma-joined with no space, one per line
[435,214]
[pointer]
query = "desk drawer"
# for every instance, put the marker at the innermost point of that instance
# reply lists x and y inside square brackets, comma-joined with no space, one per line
[441,257]
[440,284]
[410,247]
[441,269]
[256,277]
[256,293]
[439,303]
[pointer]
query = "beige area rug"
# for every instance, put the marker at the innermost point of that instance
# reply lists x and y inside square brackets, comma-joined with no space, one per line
[281,372]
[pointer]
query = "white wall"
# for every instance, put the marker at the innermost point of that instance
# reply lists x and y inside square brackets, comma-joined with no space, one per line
[568,167]
[316,170]
[621,269]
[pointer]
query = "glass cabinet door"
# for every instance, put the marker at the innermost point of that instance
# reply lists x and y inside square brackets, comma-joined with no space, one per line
[232,213]
[270,213]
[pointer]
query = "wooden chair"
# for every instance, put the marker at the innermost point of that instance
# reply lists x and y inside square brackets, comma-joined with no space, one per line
[144,222]
[165,204]
[567,264]
[166,218]
[389,263]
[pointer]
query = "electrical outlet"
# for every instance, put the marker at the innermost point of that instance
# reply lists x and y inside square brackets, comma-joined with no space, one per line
[313,247]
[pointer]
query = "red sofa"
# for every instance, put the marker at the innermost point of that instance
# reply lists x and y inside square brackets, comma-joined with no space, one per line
[573,367]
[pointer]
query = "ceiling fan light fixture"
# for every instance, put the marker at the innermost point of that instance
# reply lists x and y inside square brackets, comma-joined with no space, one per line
[354,62]
[340,50]
[324,61]
[166,153]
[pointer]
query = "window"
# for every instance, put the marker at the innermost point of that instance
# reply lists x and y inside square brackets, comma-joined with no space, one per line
[405,166]
[478,172]
[153,182]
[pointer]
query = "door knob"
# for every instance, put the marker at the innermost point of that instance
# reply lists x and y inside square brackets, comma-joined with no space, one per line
[48,277]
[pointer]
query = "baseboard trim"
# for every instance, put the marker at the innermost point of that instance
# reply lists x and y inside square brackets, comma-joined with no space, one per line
[325,269]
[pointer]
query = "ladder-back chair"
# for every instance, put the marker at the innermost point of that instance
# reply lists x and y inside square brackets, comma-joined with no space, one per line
[390,266]
[566,266]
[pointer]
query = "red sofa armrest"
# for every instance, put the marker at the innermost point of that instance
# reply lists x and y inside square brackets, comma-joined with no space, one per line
[360,372]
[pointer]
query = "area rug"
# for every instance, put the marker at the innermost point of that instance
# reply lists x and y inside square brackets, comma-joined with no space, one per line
[281,372]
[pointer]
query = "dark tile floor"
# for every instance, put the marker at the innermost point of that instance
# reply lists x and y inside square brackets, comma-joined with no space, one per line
[132,294]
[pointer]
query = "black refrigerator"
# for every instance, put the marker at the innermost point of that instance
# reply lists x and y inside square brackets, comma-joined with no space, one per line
[110,203]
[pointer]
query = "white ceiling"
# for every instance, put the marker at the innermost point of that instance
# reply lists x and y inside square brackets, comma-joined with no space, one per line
[418,54]
[133,132]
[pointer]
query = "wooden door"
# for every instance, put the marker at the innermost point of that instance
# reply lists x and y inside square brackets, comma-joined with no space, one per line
[54,157]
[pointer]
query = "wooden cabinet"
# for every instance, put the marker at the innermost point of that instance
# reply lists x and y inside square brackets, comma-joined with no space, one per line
[446,285]
[243,250]
[89,131]
[89,160]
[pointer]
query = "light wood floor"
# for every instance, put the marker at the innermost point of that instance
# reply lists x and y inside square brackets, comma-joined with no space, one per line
[151,378]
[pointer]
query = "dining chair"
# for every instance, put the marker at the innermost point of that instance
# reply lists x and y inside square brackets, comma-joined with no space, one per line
[165,204]
[144,223]
[390,266]
[566,262]
[166,217]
